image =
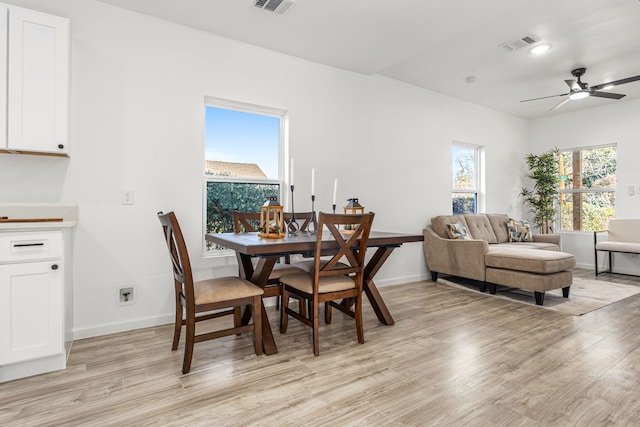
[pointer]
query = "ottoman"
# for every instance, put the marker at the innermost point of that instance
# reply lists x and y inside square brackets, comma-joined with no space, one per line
[531,269]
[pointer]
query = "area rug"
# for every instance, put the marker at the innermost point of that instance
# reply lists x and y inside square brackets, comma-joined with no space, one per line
[586,295]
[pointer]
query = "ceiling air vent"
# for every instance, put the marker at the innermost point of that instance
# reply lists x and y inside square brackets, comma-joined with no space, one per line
[520,43]
[279,7]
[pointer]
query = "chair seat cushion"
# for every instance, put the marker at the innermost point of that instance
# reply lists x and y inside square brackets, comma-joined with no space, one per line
[280,269]
[309,265]
[304,282]
[618,246]
[224,289]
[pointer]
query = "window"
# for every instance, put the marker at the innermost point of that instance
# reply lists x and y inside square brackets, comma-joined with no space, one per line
[243,145]
[465,178]
[587,188]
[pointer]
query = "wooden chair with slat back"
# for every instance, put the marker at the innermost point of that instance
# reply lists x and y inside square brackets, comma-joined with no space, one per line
[196,301]
[340,277]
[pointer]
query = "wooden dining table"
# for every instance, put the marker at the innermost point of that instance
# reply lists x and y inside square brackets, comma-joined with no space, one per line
[248,246]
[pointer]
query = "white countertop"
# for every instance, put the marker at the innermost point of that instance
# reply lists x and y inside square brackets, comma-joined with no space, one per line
[68,213]
[45,225]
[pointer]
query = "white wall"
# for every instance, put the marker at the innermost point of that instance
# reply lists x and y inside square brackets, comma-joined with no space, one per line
[137,121]
[617,122]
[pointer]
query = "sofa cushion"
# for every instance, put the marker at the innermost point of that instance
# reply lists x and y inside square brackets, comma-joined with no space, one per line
[499,225]
[480,227]
[527,245]
[458,231]
[439,223]
[529,260]
[519,230]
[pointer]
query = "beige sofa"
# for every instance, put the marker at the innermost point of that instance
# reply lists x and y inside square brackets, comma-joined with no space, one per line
[490,258]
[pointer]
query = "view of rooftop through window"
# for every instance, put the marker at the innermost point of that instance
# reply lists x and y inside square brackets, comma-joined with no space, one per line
[242,138]
[242,149]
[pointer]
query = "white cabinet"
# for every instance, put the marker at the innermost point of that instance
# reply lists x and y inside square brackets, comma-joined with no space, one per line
[34,63]
[32,301]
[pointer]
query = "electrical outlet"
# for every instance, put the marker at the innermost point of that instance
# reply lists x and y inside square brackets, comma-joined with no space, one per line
[631,190]
[126,295]
[127,197]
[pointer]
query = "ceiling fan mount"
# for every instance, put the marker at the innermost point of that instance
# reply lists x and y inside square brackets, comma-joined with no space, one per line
[578,72]
[580,89]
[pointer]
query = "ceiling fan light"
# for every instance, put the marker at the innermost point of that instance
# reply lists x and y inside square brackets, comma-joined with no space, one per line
[540,49]
[579,95]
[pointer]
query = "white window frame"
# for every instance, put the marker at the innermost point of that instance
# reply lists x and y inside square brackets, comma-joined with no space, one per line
[479,174]
[584,190]
[283,164]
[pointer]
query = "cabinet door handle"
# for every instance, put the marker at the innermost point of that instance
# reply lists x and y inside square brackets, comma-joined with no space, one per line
[54,267]
[22,245]
[60,146]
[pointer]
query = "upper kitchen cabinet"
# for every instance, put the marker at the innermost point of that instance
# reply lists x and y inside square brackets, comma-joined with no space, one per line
[34,79]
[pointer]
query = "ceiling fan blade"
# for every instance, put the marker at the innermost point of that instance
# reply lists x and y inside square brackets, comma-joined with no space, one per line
[606,95]
[560,104]
[573,85]
[616,82]
[544,97]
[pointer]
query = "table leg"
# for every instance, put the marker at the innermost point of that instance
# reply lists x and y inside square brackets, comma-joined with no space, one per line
[259,276]
[370,289]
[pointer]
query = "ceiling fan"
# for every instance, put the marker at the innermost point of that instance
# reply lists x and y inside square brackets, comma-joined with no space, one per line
[580,90]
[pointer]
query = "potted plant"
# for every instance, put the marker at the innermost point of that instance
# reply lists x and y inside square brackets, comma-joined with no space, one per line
[544,172]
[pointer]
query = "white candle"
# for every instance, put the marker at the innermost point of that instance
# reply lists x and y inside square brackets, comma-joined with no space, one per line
[291,173]
[335,190]
[313,182]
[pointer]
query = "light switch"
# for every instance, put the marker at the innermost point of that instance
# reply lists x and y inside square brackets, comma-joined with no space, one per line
[632,190]
[637,189]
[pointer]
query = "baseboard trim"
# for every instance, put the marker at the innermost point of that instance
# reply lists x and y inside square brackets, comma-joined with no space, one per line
[603,267]
[112,328]
[401,280]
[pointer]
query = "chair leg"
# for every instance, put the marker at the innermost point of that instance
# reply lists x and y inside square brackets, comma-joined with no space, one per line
[237,317]
[327,312]
[358,313]
[178,325]
[283,311]
[316,341]
[188,347]
[302,307]
[257,324]
[246,316]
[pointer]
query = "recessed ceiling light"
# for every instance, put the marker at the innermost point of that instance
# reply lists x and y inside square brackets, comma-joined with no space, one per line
[541,48]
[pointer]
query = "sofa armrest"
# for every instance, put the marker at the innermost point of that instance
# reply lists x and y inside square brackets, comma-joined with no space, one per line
[464,258]
[547,238]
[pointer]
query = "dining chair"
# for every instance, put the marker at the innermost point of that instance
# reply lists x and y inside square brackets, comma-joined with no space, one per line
[249,222]
[207,299]
[340,277]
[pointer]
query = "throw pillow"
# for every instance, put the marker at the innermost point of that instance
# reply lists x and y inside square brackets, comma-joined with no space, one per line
[519,230]
[458,231]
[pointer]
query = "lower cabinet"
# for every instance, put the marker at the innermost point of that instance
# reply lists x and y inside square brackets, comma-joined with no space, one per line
[31,316]
[33,299]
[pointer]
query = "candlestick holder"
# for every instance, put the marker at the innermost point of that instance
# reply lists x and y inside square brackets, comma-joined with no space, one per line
[312,227]
[293,225]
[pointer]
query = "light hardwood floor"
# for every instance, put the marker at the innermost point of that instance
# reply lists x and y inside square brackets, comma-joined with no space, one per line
[452,358]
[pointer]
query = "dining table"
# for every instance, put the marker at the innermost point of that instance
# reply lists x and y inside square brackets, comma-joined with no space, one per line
[249,246]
